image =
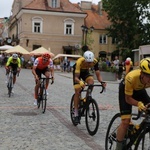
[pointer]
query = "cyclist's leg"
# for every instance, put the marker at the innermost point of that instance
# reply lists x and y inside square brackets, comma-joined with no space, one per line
[37,84]
[77,89]
[125,110]
[46,72]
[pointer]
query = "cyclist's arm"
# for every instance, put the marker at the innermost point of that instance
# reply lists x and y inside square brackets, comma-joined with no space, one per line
[8,61]
[130,100]
[51,67]
[19,64]
[34,68]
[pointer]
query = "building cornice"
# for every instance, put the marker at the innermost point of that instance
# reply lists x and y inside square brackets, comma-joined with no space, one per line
[52,13]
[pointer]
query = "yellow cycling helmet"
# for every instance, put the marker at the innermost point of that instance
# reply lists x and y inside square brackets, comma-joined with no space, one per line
[145,65]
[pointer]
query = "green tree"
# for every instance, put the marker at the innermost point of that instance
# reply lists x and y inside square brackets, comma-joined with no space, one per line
[128,27]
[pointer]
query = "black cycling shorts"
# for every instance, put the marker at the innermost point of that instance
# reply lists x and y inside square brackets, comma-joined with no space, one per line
[140,95]
[39,72]
[14,68]
[84,74]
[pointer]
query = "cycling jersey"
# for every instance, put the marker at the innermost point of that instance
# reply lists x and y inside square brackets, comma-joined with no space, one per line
[42,65]
[81,65]
[10,62]
[133,82]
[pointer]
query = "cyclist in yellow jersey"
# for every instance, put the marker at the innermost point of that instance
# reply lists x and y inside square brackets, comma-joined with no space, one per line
[13,63]
[81,75]
[132,92]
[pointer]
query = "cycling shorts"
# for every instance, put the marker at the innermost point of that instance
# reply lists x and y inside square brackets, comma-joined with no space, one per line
[84,75]
[14,68]
[39,72]
[125,108]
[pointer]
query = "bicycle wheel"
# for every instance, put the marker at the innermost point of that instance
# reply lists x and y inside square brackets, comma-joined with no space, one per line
[92,117]
[10,86]
[143,141]
[110,139]
[44,100]
[72,111]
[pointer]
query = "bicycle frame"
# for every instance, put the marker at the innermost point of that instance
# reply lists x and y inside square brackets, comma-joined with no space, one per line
[42,95]
[144,125]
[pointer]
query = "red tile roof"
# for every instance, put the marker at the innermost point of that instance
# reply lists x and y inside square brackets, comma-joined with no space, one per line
[65,6]
[95,19]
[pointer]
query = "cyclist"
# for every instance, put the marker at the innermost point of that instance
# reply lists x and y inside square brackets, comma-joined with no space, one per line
[81,74]
[42,65]
[13,63]
[132,92]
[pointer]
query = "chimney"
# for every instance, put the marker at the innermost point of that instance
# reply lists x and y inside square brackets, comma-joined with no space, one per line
[86,5]
[100,7]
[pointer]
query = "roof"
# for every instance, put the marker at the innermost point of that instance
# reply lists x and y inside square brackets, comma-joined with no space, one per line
[65,6]
[95,19]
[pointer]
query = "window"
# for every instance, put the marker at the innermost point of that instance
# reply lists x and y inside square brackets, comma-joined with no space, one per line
[103,39]
[69,26]
[114,41]
[37,24]
[54,3]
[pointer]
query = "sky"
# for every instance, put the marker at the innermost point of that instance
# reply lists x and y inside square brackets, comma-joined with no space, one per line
[6,5]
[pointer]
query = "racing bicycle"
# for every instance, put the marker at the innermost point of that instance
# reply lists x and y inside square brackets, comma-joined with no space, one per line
[88,108]
[10,82]
[42,94]
[137,136]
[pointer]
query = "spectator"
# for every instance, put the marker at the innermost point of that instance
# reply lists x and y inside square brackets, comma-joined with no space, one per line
[68,65]
[116,65]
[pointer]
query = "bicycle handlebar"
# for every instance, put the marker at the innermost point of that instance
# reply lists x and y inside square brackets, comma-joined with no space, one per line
[43,78]
[92,85]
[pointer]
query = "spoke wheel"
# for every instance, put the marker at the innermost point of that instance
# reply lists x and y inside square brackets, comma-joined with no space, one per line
[72,111]
[110,139]
[143,141]
[92,117]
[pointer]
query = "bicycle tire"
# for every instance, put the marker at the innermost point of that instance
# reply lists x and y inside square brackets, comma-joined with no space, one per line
[10,86]
[110,138]
[143,141]
[92,116]
[72,111]
[44,100]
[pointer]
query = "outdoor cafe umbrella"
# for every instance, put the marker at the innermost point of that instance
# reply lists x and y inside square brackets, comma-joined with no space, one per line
[41,51]
[5,47]
[17,49]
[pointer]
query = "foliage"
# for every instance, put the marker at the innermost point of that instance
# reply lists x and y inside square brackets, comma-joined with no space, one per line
[127,18]
[103,67]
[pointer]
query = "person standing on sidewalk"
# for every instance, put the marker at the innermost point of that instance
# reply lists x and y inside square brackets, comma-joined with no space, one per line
[81,75]
[42,65]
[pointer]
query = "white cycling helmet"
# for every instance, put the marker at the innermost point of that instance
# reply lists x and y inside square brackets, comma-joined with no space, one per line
[89,56]
[14,56]
[128,59]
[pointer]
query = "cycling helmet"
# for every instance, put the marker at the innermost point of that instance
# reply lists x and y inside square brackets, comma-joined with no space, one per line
[14,56]
[89,56]
[46,56]
[145,65]
[128,59]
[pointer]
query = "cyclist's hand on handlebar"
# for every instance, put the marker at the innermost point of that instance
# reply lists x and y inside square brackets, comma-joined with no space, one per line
[141,106]
[82,84]
[103,84]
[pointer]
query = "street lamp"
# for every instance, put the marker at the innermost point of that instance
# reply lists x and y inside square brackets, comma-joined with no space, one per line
[85,31]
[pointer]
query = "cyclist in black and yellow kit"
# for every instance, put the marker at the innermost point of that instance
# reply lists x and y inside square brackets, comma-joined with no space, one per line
[132,92]
[13,63]
[81,74]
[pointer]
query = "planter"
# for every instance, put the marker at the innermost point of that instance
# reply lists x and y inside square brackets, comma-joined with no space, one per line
[107,76]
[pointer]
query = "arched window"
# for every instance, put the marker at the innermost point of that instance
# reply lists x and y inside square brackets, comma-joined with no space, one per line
[69,26]
[37,25]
